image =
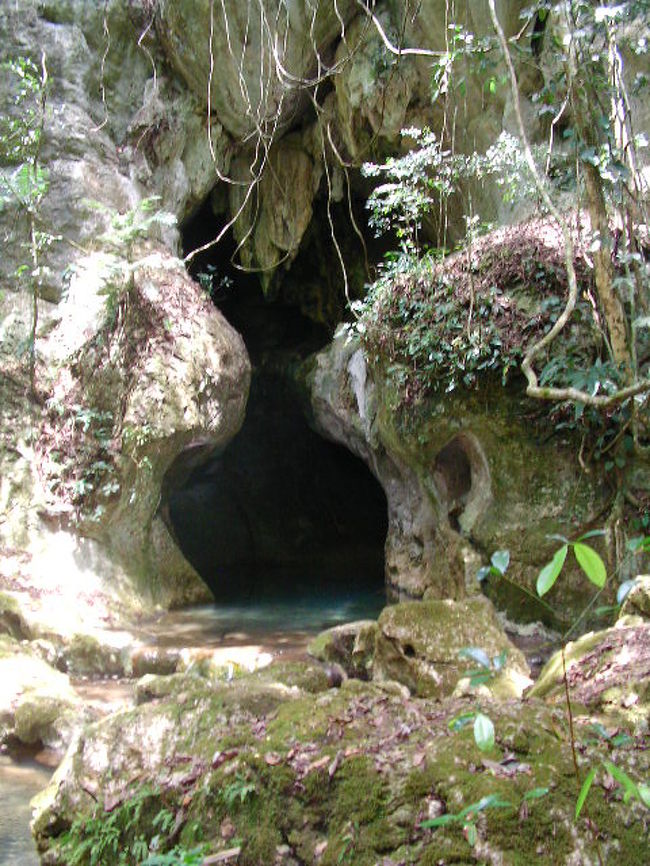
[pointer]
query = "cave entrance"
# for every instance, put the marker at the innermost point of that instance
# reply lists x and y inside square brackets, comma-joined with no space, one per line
[280,512]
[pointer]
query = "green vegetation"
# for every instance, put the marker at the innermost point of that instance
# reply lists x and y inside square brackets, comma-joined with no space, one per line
[114,835]
[594,568]
[24,182]
[499,304]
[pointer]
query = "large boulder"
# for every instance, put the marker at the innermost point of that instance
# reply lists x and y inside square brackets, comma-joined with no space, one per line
[38,704]
[464,475]
[137,374]
[420,644]
[345,774]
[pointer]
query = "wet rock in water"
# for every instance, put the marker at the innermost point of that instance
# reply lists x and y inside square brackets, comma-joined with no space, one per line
[152,660]
[606,671]
[419,644]
[352,646]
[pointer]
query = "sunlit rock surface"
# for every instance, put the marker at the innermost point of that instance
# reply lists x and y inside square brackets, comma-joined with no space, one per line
[38,706]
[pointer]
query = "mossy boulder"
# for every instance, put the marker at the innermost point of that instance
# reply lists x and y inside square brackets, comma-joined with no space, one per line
[419,644]
[606,671]
[352,646]
[465,474]
[12,621]
[348,775]
[37,703]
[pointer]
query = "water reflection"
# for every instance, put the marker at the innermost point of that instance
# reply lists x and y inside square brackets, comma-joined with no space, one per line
[19,782]
[278,623]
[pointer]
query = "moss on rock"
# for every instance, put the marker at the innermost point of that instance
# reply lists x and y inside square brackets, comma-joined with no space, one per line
[419,645]
[346,777]
[352,646]
[37,704]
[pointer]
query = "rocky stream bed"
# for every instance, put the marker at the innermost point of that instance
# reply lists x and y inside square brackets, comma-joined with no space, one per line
[258,754]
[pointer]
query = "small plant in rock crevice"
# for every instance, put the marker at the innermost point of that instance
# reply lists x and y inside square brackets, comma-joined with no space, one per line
[488,668]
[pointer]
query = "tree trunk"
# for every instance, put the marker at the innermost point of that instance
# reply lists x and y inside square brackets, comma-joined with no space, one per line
[604,271]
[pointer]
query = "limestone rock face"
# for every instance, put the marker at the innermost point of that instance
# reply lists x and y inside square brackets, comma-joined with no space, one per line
[257,57]
[141,373]
[345,405]
[170,378]
[468,477]
[418,644]
[279,217]
[373,93]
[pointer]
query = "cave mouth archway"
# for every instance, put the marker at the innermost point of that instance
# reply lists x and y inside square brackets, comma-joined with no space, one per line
[280,512]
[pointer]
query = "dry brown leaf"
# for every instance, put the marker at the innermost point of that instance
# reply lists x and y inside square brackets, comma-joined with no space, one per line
[318,765]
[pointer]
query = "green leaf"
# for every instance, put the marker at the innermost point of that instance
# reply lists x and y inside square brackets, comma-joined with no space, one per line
[594,533]
[440,821]
[483,732]
[622,778]
[492,801]
[499,661]
[460,721]
[501,560]
[644,794]
[600,730]
[639,544]
[471,833]
[624,590]
[477,678]
[591,563]
[536,793]
[549,574]
[476,654]
[483,573]
[582,796]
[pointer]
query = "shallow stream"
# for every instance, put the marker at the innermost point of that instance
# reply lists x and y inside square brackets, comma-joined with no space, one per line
[20,780]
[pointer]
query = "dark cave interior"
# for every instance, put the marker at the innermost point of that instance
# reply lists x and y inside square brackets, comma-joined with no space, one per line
[280,510]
